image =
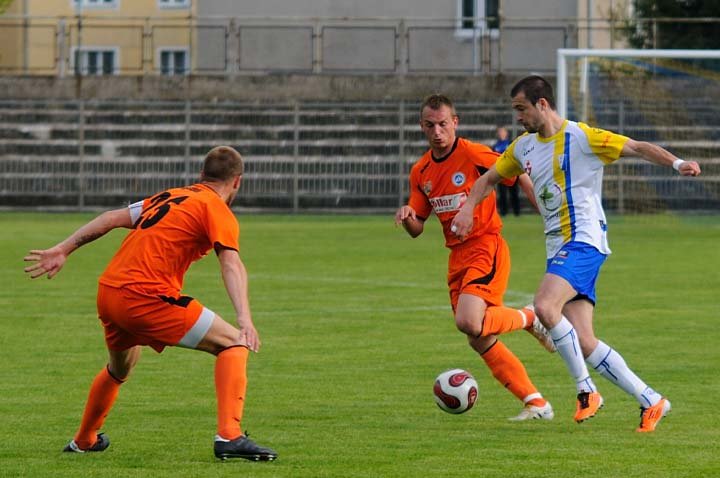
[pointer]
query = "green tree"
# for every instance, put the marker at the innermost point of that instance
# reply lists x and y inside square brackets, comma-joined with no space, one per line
[4,4]
[685,30]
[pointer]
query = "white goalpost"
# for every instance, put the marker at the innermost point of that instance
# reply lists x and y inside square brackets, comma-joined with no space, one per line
[563,54]
[669,97]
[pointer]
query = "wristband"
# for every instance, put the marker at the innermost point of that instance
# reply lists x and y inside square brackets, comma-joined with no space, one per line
[677,163]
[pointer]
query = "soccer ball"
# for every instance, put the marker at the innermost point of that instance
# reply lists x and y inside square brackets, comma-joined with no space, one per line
[455,391]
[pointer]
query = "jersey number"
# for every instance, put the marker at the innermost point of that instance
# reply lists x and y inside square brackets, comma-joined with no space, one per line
[159,207]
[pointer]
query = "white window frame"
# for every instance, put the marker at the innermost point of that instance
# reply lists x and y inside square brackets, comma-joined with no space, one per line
[171,49]
[481,28]
[174,4]
[95,4]
[96,48]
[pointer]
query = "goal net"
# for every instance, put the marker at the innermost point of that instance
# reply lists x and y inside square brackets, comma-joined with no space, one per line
[668,97]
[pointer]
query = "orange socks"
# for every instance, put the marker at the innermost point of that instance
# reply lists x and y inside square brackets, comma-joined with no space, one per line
[230,385]
[510,372]
[103,392]
[500,320]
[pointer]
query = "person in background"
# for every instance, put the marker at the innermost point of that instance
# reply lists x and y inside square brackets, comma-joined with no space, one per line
[505,193]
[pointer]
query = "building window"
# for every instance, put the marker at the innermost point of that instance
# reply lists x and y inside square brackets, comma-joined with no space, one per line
[492,10]
[477,17]
[173,61]
[174,3]
[95,3]
[95,61]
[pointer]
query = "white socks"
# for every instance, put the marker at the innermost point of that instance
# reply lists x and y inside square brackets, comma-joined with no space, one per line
[612,366]
[568,346]
[606,361]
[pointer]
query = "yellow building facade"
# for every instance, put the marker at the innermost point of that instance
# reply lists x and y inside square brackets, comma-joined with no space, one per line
[97,37]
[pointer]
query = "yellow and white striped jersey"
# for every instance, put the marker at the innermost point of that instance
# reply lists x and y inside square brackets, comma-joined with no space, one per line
[566,171]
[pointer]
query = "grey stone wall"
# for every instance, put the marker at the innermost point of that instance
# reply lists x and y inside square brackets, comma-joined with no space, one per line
[259,88]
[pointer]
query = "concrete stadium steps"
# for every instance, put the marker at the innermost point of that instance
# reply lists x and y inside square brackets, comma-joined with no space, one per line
[265,176]
[311,155]
[345,146]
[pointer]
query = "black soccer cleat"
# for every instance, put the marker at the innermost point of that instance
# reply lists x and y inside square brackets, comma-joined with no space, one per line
[242,447]
[100,445]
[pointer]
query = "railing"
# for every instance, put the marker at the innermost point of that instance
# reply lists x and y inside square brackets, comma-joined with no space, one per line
[299,156]
[232,46]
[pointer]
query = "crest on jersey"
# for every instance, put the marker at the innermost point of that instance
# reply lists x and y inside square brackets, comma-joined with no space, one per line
[528,167]
[427,187]
[551,197]
[458,179]
[563,161]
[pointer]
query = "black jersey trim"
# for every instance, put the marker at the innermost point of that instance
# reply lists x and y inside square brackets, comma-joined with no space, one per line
[443,158]
[486,279]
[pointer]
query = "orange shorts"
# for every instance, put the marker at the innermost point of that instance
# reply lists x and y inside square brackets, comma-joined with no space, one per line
[480,267]
[131,317]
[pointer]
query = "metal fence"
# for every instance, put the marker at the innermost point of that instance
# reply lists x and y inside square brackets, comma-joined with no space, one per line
[231,46]
[300,156]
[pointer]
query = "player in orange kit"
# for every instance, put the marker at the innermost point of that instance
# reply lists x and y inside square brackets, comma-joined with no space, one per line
[140,303]
[479,265]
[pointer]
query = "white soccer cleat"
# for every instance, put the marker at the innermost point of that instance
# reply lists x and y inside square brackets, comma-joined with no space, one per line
[531,412]
[539,331]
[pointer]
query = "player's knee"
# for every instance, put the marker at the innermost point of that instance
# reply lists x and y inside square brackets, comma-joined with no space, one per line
[119,373]
[219,337]
[225,342]
[469,326]
[548,313]
[481,344]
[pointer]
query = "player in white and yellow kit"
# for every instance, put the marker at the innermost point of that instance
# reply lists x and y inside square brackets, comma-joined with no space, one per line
[565,161]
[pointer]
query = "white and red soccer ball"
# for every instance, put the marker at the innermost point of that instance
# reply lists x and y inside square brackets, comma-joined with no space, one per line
[455,391]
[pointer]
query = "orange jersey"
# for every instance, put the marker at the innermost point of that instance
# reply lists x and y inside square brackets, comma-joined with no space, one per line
[176,228]
[442,185]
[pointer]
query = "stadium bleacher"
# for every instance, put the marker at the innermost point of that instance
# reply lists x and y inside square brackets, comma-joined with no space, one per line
[307,155]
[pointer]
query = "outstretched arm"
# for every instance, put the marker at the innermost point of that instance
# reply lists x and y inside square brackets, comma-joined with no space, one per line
[50,261]
[463,222]
[660,156]
[407,217]
[235,278]
[527,186]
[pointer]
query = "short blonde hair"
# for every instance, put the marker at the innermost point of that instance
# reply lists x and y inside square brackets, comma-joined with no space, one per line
[437,101]
[221,164]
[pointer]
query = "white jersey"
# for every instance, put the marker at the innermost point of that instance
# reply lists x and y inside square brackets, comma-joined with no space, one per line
[567,171]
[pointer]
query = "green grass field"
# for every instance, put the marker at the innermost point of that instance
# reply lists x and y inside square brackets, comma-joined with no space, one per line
[355,323]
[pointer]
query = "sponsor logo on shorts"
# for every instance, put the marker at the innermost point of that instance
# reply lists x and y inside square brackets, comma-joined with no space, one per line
[449,203]
[560,257]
